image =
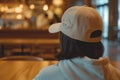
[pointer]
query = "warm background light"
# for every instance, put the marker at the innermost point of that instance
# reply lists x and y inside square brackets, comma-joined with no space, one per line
[32,6]
[27,13]
[21,5]
[45,7]
[58,11]
[18,9]
[57,2]
[2,9]
[19,16]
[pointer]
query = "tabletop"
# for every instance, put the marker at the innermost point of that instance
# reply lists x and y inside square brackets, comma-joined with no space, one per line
[28,69]
[21,70]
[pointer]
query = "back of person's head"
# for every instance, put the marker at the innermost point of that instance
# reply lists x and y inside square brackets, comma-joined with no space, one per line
[80,33]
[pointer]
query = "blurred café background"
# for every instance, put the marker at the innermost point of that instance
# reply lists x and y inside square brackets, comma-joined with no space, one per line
[24,24]
[26,46]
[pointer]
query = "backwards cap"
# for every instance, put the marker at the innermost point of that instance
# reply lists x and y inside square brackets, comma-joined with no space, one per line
[81,23]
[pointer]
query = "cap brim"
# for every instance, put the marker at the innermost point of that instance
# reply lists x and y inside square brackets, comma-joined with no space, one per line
[54,28]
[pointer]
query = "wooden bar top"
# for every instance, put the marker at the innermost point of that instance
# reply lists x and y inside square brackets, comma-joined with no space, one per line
[27,34]
[21,70]
[26,70]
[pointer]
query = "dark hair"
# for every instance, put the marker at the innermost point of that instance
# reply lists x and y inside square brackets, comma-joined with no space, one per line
[71,48]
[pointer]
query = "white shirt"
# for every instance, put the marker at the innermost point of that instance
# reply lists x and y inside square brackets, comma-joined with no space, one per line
[72,69]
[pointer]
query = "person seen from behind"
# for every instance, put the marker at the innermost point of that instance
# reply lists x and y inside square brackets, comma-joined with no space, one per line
[81,56]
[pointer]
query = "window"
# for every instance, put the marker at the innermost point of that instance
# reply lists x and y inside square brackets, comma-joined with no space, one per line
[118,19]
[102,8]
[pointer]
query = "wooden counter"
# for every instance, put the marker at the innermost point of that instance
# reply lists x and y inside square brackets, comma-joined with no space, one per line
[44,45]
[21,70]
[26,70]
[27,34]
[10,40]
[28,41]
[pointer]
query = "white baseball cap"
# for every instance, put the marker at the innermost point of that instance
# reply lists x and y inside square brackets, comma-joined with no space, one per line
[80,23]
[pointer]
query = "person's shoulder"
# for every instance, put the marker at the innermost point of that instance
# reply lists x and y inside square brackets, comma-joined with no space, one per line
[50,69]
[47,73]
